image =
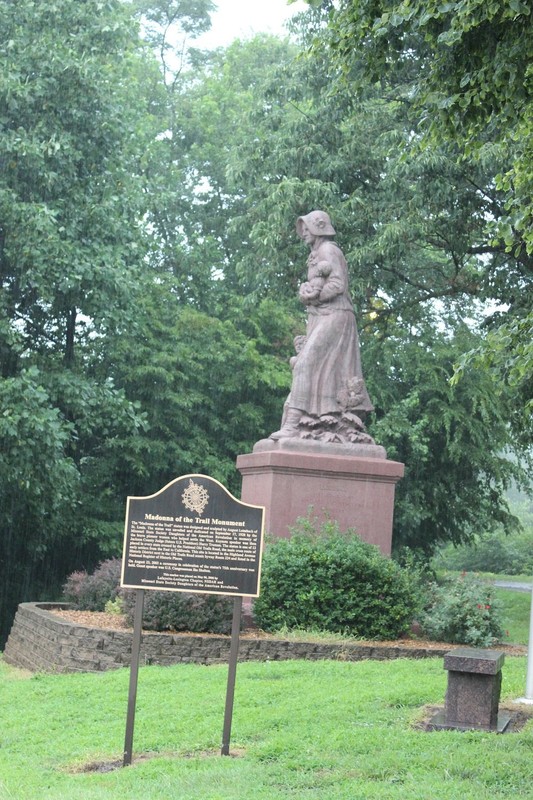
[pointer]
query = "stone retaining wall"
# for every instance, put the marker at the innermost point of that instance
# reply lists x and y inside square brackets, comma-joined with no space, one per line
[43,642]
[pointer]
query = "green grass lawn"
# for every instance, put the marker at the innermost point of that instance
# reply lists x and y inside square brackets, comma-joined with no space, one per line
[494,576]
[302,730]
[516,614]
[489,576]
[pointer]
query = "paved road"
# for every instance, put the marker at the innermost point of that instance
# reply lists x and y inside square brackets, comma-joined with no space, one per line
[517,586]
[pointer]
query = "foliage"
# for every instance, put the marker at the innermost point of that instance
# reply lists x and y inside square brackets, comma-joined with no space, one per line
[463,611]
[473,62]
[413,226]
[200,207]
[507,353]
[452,440]
[495,552]
[73,123]
[516,615]
[178,611]
[207,389]
[69,201]
[38,487]
[327,580]
[471,67]
[114,607]
[148,267]
[182,611]
[92,592]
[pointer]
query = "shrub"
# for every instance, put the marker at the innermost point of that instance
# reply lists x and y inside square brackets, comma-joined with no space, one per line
[333,581]
[178,611]
[463,611]
[92,592]
[181,611]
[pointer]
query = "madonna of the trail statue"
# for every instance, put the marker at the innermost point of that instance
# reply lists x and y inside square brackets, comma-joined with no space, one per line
[328,399]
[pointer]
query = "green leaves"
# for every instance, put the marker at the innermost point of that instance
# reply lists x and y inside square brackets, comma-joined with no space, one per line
[322,579]
[67,167]
[473,71]
[456,472]
[463,611]
[209,389]
[71,202]
[149,264]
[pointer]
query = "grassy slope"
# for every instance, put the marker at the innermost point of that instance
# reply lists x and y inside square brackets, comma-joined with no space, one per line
[516,613]
[307,730]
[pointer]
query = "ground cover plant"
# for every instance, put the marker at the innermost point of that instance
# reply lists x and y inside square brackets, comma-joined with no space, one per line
[181,611]
[304,730]
[305,590]
[177,611]
[92,591]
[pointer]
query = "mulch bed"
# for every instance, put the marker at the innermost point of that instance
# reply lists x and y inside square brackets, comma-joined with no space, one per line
[100,619]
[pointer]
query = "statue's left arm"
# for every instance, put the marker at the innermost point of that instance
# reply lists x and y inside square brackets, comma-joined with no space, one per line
[336,281]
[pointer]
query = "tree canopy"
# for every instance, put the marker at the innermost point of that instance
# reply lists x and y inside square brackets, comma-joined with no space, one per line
[473,85]
[149,264]
[72,119]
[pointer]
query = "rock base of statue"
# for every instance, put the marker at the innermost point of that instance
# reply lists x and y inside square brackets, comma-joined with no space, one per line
[352,484]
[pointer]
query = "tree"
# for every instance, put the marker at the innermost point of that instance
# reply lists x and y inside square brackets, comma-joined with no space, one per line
[472,61]
[207,388]
[196,199]
[149,268]
[453,439]
[71,245]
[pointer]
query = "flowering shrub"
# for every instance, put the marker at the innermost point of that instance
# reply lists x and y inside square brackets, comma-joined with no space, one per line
[462,611]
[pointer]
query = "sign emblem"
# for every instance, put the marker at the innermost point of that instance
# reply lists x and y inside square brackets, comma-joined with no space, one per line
[195,497]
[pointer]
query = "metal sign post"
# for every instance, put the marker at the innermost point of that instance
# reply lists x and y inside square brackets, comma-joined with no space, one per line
[134,674]
[232,673]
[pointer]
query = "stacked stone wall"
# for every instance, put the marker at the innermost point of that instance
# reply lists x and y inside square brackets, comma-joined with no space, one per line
[42,641]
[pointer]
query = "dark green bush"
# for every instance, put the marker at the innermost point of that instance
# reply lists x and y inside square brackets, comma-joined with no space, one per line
[90,592]
[181,611]
[463,611]
[333,581]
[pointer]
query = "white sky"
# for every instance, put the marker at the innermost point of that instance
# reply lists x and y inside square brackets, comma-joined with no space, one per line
[241,19]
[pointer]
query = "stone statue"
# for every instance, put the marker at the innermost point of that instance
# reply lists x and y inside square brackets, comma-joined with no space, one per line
[328,394]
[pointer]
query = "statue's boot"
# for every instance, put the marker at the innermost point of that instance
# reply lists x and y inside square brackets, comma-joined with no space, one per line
[290,425]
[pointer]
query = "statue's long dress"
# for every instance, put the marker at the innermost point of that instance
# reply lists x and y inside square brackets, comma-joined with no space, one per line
[330,356]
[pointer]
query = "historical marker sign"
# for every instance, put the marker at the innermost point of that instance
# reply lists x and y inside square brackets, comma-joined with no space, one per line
[193,536]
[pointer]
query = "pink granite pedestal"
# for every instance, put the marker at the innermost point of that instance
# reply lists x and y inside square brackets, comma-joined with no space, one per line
[353,485]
